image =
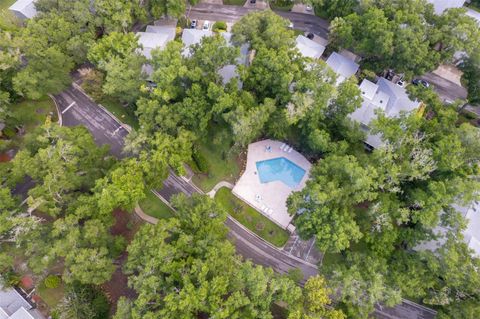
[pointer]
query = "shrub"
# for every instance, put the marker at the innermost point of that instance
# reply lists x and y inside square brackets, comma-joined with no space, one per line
[183,22]
[9,132]
[52,281]
[201,162]
[368,74]
[92,84]
[219,26]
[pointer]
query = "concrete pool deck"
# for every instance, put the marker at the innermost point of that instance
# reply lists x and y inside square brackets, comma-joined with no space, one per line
[270,199]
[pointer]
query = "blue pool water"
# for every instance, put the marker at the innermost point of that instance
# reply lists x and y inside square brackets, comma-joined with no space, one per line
[280,169]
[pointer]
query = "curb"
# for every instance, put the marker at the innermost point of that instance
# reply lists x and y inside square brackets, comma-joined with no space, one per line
[125,126]
[59,114]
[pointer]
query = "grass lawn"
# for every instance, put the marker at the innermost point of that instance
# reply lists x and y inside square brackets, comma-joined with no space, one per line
[281,5]
[250,218]
[234,2]
[30,114]
[51,296]
[221,164]
[298,32]
[8,21]
[153,206]
[124,114]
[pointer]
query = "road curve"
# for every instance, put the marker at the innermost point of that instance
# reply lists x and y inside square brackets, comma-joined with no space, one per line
[105,129]
[102,126]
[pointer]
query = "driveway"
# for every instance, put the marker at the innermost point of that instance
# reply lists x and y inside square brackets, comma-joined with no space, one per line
[448,91]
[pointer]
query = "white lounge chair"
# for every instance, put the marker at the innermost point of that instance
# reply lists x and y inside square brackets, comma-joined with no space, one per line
[283,145]
[290,150]
[263,207]
[265,210]
[287,149]
[270,212]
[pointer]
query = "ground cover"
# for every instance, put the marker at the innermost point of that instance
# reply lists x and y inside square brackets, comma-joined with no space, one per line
[153,206]
[124,114]
[281,5]
[221,163]
[8,21]
[250,218]
[26,116]
[234,2]
[51,296]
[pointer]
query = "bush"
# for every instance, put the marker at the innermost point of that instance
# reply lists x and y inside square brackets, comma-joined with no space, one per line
[183,22]
[219,26]
[9,132]
[368,74]
[201,162]
[52,281]
[92,84]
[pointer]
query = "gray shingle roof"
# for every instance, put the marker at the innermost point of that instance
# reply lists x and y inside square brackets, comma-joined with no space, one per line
[441,5]
[155,37]
[343,67]
[309,48]
[24,9]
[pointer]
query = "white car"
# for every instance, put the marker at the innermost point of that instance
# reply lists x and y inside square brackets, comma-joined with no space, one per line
[308,8]
[206,25]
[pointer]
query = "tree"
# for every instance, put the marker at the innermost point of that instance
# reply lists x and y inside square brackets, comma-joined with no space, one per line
[263,29]
[325,207]
[169,8]
[362,283]
[118,15]
[82,302]
[335,8]
[316,301]
[186,268]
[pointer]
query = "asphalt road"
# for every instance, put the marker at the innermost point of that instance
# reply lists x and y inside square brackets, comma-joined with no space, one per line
[78,109]
[215,12]
[446,90]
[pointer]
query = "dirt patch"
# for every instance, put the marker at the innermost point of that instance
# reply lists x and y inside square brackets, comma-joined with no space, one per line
[5,157]
[126,225]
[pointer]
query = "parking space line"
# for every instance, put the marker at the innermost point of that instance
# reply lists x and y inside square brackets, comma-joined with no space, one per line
[116,131]
[68,107]
[310,249]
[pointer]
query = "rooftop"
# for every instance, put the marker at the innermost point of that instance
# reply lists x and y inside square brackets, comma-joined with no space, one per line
[25,7]
[155,37]
[14,306]
[309,48]
[389,97]
[343,66]
[440,6]
[193,36]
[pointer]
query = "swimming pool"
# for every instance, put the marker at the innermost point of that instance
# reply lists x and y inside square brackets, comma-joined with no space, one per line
[280,169]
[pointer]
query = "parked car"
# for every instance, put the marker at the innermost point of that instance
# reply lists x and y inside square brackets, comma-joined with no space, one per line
[206,25]
[421,82]
[308,8]
[290,25]
[193,25]
[310,36]
[253,1]
[401,83]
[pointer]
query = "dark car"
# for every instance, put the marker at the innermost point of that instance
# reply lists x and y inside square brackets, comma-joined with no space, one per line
[193,25]
[421,82]
[253,1]
[310,36]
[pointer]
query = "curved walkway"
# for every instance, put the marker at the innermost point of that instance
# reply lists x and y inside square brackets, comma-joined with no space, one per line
[218,186]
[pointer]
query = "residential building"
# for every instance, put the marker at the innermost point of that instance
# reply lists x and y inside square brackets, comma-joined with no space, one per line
[471,235]
[342,66]
[24,9]
[439,6]
[155,37]
[230,71]
[386,96]
[14,306]
[191,37]
[474,14]
[309,48]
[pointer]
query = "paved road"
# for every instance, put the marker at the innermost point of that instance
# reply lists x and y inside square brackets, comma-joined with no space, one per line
[78,109]
[446,90]
[102,125]
[215,12]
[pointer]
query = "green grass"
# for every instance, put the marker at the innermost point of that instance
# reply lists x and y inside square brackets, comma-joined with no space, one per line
[222,165]
[234,2]
[250,218]
[298,32]
[8,21]
[281,5]
[30,114]
[51,296]
[153,206]
[124,114]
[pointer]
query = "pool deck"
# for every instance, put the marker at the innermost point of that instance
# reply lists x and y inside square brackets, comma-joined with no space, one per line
[270,199]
